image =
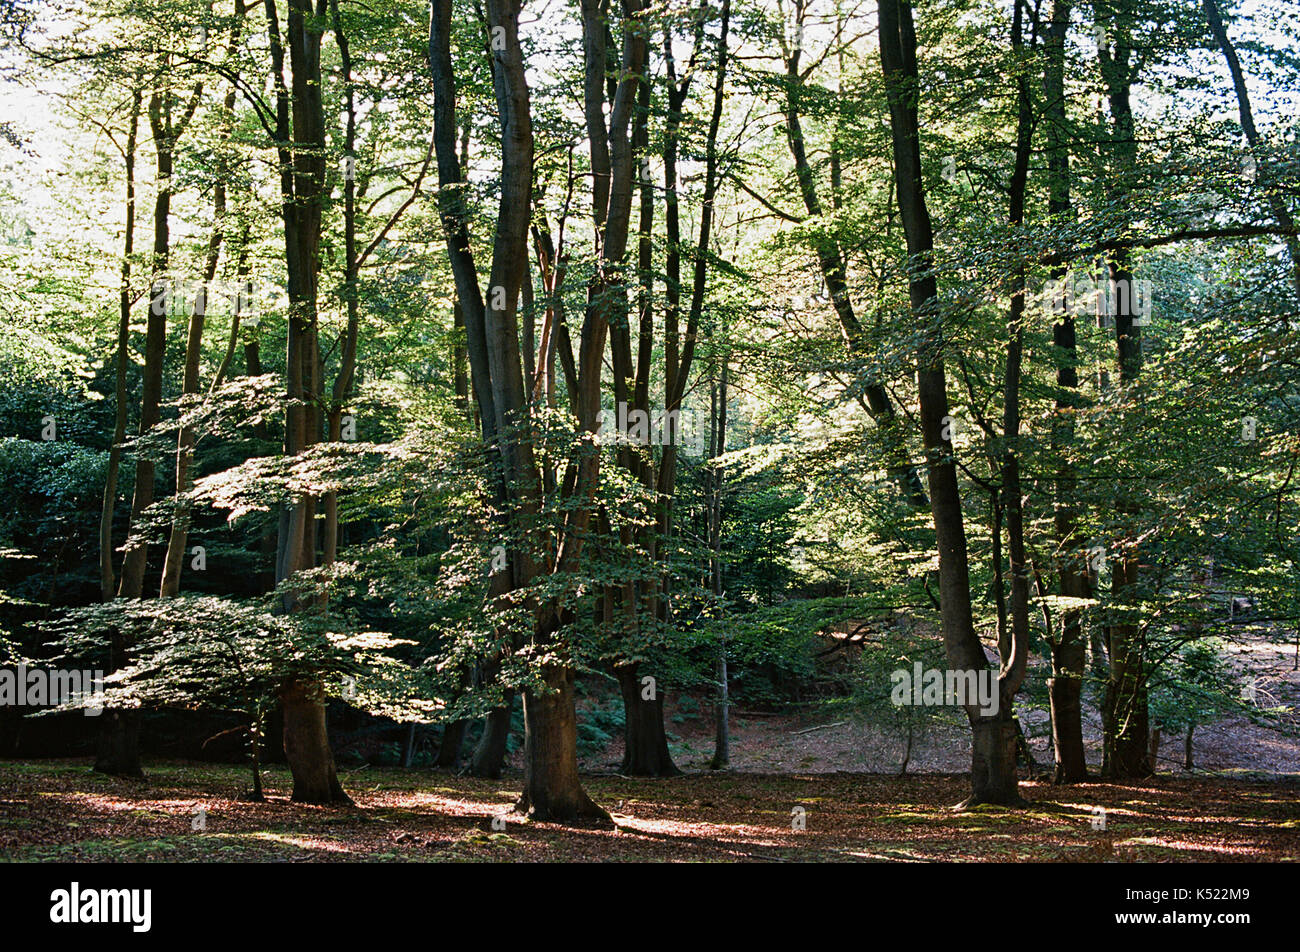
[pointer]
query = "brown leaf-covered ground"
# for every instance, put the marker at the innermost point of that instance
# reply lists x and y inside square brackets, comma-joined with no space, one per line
[61,810]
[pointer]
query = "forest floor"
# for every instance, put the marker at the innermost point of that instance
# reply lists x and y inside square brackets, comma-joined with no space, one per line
[1240,803]
[61,810]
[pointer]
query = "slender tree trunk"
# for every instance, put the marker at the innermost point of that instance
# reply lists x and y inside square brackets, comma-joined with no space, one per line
[408,747]
[460,369]
[118,742]
[166,130]
[647,745]
[343,383]
[993,759]
[176,543]
[721,713]
[256,795]
[1015,653]
[174,558]
[718,441]
[1065,687]
[106,574]
[645,751]
[134,561]
[1126,753]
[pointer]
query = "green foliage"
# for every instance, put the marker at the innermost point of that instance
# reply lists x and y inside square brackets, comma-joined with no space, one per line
[229,654]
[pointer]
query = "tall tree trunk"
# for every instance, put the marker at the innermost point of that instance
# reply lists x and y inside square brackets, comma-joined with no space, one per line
[176,543]
[645,750]
[166,128]
[718,446]
[118,744]
[106,574]
[1015,652]
[678,89]
[552,788]
[343,383]
[134,560]
[993,760]
[1126,747]
[1065,688]
[300,134]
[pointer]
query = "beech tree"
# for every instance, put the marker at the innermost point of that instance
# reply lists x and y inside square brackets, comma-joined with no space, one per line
[993,753]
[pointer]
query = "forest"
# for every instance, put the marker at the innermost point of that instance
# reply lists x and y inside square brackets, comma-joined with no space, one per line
[689,430]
